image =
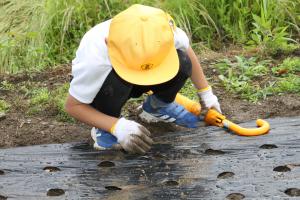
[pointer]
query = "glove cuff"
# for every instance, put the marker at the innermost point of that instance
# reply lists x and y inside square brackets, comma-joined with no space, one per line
[204,89]
[115,129]
[205,94]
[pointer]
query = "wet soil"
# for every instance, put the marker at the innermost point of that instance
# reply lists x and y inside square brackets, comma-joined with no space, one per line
[18,128]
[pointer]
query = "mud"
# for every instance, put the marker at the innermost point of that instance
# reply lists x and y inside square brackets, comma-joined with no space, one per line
[175,168]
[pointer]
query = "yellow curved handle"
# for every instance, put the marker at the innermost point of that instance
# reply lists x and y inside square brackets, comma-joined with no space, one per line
[215,118]
[190,105]
[263,128]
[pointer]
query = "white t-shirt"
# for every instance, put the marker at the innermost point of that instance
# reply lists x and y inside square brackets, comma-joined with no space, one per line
[92,65]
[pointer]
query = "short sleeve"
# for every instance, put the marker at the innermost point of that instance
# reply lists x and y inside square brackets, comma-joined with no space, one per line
[181,39]
[89,69]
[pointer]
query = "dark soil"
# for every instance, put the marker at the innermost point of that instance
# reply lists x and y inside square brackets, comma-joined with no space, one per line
[18,128]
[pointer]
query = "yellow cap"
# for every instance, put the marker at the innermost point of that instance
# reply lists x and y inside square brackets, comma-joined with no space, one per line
[141,45]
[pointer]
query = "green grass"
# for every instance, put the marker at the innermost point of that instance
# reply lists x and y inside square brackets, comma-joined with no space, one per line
[52,102]
[4,106]
[5,85]
[36,34]
[247,77]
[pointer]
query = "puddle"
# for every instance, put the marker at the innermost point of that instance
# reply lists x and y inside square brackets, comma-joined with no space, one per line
[293,192]
[55,192]
[170,183]
[106,164]
[268,146]
[111,187]
[214,152]
[2,172]
[51,169]
[283,168]
[235,196]
[225,175]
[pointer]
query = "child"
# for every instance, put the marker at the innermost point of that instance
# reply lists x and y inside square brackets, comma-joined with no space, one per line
[138,50]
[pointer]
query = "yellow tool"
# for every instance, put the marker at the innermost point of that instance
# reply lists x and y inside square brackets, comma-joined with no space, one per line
[215,118]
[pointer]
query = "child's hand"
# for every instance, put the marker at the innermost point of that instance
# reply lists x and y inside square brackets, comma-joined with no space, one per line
[133,137]
[210,100]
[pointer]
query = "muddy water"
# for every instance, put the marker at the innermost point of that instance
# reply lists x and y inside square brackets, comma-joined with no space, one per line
[207,163]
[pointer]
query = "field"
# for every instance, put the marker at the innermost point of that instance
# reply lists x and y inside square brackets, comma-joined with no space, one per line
[250,53]
[250,56]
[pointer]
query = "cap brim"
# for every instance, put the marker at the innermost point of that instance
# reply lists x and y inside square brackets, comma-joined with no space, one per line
[159,74]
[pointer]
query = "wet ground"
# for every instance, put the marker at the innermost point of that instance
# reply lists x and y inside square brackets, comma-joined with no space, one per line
[207,163]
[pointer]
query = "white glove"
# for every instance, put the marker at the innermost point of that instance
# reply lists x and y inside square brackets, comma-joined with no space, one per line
[210,100]
[133,137]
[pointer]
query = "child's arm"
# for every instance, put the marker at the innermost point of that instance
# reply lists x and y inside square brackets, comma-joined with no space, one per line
[198,78]
[87,114]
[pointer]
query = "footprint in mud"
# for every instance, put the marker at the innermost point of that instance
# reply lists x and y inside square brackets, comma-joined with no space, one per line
[225,175]
[55,192]
[214,152]
[106,164]
[111,187]
[282,168]
[235,196]
[293,192]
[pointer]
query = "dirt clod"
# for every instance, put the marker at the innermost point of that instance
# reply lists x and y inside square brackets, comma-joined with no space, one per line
[2,116]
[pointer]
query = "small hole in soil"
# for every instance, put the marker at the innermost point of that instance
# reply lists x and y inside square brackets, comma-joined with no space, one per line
[51,169]
[214,152]
[2,172]
[3,197]
[283,168]
[55,192]
[293,192]
[235,196]
[111,187]
[268,146]
[106,164]
[171,183]
[226,175]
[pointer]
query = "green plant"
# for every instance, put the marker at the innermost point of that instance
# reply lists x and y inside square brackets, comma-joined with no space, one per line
[40,99]
[5,85]
[270,35]
[289,84]
[51,101]
[36,34]
[4,106]
[289,65]
[238,77]
[58,103]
